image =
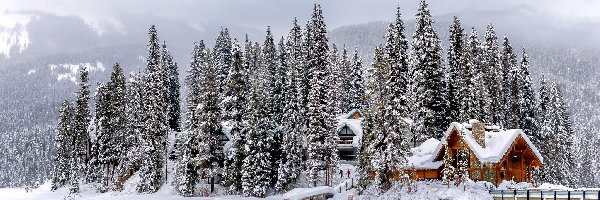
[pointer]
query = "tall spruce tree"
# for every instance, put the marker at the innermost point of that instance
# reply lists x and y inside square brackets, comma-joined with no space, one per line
[192,81]
[345,82]
[394,148]
[222,51]
[291,160]
[540,138]
[564,134]
[187,169]
[456,70]
[357,90]
[427,74]
[331,158]
[62,142]
[210,149]
[274,100]
[111,124]
[509,68]
[492,75]
[235,105]
[172,89]
[256,167]
[103,143]
[135,113]
[470,91]
[155,123]
[81,140]
[527,120]
[367,161]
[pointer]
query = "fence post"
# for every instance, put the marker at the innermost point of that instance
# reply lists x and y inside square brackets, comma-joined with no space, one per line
[515,194]
[584,195]
[502,194]
[527,194]
[569,195]
[554,194]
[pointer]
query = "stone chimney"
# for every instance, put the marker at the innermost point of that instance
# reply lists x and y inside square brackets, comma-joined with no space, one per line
[478,132]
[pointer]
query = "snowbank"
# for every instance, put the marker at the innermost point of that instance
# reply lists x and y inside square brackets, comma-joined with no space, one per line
[511,185]
[434,190]
[301,193]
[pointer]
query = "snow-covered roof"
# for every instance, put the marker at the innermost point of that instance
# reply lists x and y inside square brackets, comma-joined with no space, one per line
[497,144]
[350,115]
[302,193]
[355,125]
[422,156]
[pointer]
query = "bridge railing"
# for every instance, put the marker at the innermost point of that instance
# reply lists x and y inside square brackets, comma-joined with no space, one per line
[546,194]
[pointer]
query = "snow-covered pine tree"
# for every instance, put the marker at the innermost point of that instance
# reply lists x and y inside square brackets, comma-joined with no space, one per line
[551,143]
[370,124]
[330,155]
[210,149]
[103,145]
[192,81]
[291,160]
[187,169]
[493,75]
[378,130]
[474,93]
[540,137]
[395,147]
[256,167]
[509,68]
[527,118]
[235,90]
[154,134]
[81,140]
[564,135]
[316,132]
[111,121]
[222,51]
[62,142]
[427,79]
[448,170]
[274,98]
[135,111]
[172,89]
[335,82]
[398,74]
[357,91]
[235,104]
[345,82]
[454,70]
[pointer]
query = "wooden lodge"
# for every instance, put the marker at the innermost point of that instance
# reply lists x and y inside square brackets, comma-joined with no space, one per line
[349,131]
[494,155]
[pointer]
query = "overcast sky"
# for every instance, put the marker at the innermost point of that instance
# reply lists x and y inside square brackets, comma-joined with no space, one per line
[553,16]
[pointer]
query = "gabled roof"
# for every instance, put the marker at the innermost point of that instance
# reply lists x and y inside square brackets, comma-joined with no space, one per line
[350,115]
[355,125]
[496,146]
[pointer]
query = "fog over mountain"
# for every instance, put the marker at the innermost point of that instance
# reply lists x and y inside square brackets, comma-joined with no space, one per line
[44,44]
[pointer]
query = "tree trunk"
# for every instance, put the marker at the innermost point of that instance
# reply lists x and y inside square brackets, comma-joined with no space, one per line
[212,184]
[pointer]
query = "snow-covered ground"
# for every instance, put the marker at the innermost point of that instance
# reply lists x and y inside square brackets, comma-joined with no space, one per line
[342,189]
[433,190]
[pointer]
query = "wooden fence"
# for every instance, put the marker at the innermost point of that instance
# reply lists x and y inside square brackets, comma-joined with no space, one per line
[545,194]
